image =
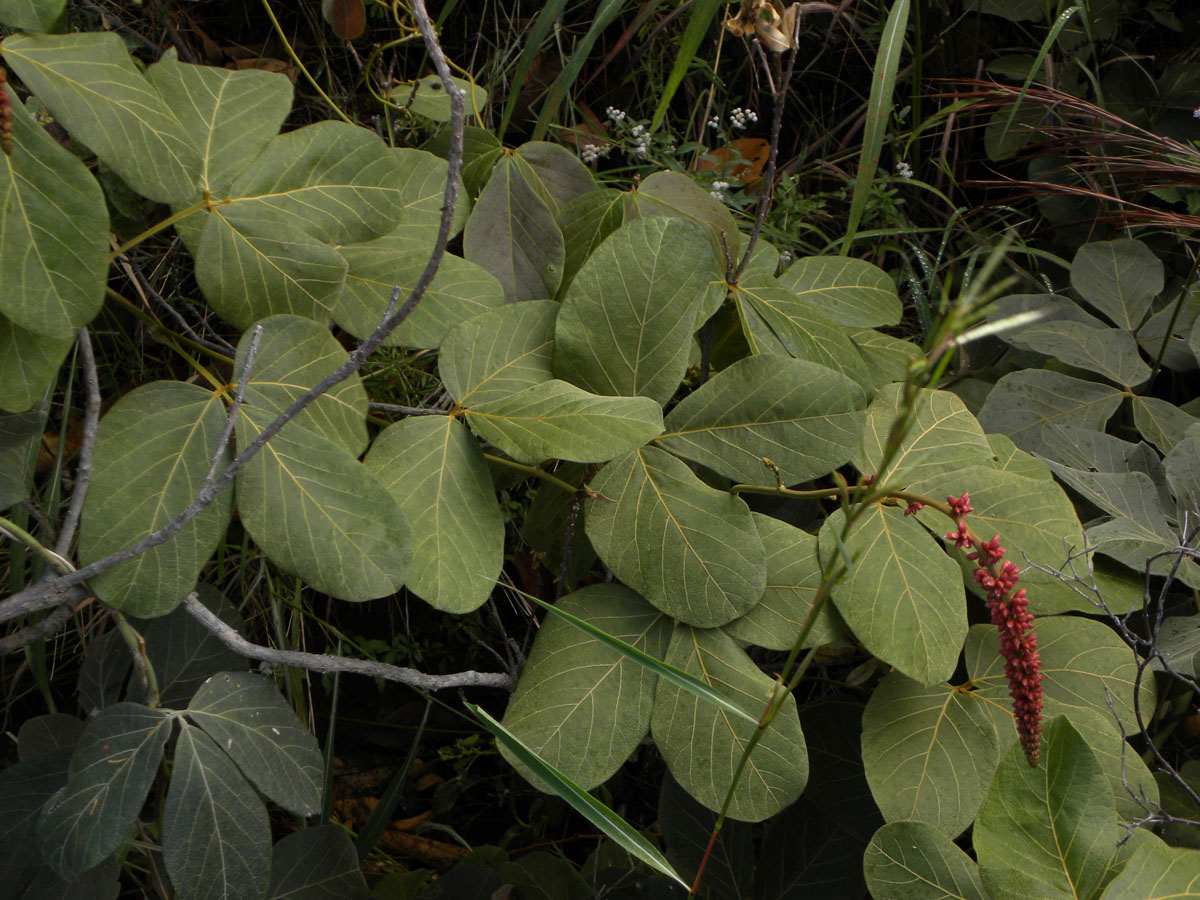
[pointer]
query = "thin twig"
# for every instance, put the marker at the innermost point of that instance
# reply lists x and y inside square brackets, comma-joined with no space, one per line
[320,662]
[52,592]
[87,442]
[38,631]
[407,410]
[235,407]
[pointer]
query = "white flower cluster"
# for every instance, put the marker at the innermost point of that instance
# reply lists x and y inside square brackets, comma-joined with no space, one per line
[641,139]
[718,190]
[904,170]
[786,257]
[589,153]
[617,115]
[741,119]
[714,122]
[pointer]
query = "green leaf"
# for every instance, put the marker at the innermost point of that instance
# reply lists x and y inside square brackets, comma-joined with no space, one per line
[582,706]
[692,551]
[266,247]
[929,753]
[627,319]
[94,89]
[904,597]
[1120,278]
[943,435]
[318,513]
[1034,519]
[101,882]
[1025,402]
[837,783]
[586,221]
[1157,872]
[1046,832]
[852,292]
[542,875]
[429,98]
[231,117]
[1179,643]
[890,357]
[25,787]
[555,419]
[294,354]
[435,470]
[53,227]
[702,744]
[184,653]
[500,352]
[1108,351]
[793,577]
[675,194]
[1129,494]
[215,835]
[1163,424]
[28,364]
[251,722]
[687,828]
[579,800]
[104,672]
[459,291]
[779,322]
[153,450]
[46,733]
[555,172]
[513,235]
[20,437]
[111,771]
[316,863]
[1133,543]
[805,853]
[31,15]
[653,663]
[1182,472]
[915,861]
[805,418]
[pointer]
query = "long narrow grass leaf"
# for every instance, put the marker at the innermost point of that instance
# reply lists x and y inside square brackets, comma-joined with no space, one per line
[697,27]
[879,108]
[579,799]
[672,674]
[1037,61]
[533,46]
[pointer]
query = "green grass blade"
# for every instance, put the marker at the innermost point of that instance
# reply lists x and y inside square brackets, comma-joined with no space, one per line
[702,16]
[579,56]
[533,44]
[1037,61]
[676,676]
[879,108]
[579,799]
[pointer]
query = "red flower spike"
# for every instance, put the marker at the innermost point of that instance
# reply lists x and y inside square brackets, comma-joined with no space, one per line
[961,505]
[913,508]
[6,129]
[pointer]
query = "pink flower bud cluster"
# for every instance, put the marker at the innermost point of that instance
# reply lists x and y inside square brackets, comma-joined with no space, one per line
[6,129]
[1011,616]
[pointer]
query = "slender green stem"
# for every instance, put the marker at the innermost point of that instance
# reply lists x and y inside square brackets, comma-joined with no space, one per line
[287,45]
[1162,350]
[137,646]
[17,533]
[159,226]
[531,470]
[161,331]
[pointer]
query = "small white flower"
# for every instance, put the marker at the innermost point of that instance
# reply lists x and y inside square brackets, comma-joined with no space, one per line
[904,170]
[638,130]
[717,195]
[617,115]
[785,257]
[639,150]
[589,153]
[714,122]
[720,185]
[742,119]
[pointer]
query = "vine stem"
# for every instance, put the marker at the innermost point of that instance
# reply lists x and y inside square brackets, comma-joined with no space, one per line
[154,229]
[291,52]
[531,470]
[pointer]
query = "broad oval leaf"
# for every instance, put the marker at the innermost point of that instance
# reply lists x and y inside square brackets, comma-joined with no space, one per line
[231,116]
[294,353]
[929,753]
[702,744]
[513,235]
[586,221]
[317,863]
[31,15]
[627,319]
[153,451]
[1157,872]
[1107,351]
[692,551]
[942,435]
[580,705]
[216,839]
[890,357]
[915,861]
[1025,402]
[28,363]
[1046,831]
[555,172]
[91,84]
[317,512]
[903,597]
[806,854]
[437,474]
[25,787]
[53,223]
[852,292]
[805,418]
[248,719]
[779,322]
[676,195]
[557,420]
[459,291]
[793,577]
[1120,278]
[500,352]
[20,437]
[1161,423]
[111,771]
